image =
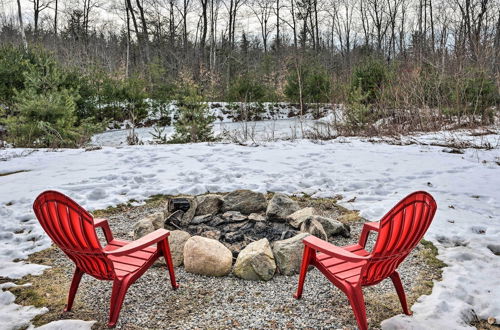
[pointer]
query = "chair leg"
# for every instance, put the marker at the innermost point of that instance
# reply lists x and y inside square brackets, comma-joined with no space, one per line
[117,296]
[396,280]
[77,276]
[306,259]
[357,301]
[165,248]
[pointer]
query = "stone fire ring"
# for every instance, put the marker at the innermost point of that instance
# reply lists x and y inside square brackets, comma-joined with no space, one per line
[243,232]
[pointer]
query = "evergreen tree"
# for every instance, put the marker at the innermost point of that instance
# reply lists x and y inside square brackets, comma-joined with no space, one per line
[44,112]
[194,123]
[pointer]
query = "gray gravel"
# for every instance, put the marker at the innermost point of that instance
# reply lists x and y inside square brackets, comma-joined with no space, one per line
[227,302]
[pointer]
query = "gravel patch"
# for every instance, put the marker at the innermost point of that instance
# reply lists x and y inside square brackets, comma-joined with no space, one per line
[226,302]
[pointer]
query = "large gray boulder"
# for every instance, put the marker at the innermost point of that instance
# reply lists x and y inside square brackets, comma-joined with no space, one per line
[149,224]
[255,262]
[280,207]
[333,227]
[208,204]
[158,219]
[143,227]
[244,201]
[177,239]
[313,227]
[207,256]
[288,254]
[296,218]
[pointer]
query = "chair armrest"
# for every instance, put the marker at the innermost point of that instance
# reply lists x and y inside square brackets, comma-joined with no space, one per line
[145,241]
[330,249]
[104,225]
[367,227]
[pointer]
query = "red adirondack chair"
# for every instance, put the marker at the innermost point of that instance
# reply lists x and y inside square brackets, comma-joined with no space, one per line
[73,229]
[352,267]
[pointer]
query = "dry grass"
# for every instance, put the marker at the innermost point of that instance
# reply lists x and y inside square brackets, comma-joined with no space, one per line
[484,325]
[48,290]
[13,172]
[385,306]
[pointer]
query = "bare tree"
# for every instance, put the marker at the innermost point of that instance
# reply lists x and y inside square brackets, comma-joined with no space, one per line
[473,14]
[21,25]
[184,11]
[56,15]
[232,7]
[342,16]
[277,11]
[379,20]
[204,31]
[262,10]
[38,7]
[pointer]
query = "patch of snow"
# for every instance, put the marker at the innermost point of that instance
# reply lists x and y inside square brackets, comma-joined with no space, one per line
[253,131]
[377,174]
[12,315]
[67,324]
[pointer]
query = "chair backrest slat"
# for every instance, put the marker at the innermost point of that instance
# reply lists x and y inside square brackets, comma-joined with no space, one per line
[400,230]
[72,229]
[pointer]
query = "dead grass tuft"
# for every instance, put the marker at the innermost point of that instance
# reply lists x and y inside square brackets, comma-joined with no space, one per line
[13,172]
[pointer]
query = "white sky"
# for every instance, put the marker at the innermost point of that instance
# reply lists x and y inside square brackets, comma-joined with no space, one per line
[110,13]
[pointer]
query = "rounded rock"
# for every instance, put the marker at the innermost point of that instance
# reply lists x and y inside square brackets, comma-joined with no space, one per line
[205,256]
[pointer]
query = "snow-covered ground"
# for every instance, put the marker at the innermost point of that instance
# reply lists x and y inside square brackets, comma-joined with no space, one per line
[251,131]
[466,186]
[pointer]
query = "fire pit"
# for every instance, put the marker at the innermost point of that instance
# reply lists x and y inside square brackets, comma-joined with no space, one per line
[255,230]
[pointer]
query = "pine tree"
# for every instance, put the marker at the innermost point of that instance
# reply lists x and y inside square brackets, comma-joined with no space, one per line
[194,123]
[44,112]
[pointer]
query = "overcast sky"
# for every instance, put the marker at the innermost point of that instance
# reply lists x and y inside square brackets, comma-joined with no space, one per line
[110,13]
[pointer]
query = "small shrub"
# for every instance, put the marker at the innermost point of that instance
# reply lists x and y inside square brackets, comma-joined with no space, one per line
[315,85]
[43,113]
[479,95]
[358,112]
[14,63]
[194,123]
[44,120]
[370,78]
[247,89]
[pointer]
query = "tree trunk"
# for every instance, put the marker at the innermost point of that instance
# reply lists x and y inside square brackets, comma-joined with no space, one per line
[36,15]
[127,55]
[21,25]
[144,29]
[278,25]
[55,16]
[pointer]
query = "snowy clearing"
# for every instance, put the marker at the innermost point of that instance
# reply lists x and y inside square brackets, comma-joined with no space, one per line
[466,187]
[252,131]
